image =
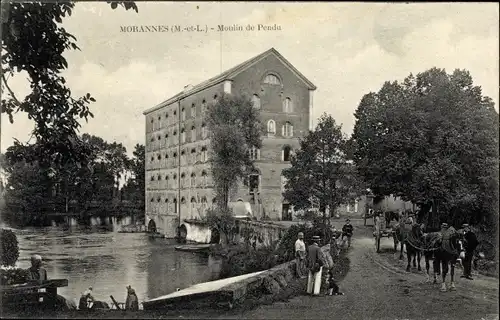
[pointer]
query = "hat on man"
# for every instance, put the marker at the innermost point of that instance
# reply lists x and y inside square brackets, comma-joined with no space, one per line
[316,238]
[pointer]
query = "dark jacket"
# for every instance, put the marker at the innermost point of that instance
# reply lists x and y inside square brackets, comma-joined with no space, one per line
[36,274]
[470,241]
[347,229]
[314,255]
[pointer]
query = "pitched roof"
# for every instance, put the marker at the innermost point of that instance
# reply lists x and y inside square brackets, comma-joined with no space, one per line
[231,73]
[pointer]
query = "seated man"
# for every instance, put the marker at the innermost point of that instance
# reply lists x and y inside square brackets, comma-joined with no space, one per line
[36,272]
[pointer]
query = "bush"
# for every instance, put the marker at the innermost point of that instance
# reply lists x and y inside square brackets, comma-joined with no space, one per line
[10,248]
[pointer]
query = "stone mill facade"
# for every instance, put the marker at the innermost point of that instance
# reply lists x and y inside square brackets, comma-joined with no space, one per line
[178,179]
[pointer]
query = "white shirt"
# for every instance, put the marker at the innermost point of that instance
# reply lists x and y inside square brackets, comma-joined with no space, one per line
[300,245]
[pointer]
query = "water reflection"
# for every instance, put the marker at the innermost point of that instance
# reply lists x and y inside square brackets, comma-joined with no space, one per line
[109,261]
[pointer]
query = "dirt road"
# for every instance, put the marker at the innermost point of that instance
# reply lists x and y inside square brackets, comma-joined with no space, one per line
[376,287]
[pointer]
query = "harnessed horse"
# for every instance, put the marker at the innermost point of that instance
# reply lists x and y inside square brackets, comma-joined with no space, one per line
[443,247]
[413,253]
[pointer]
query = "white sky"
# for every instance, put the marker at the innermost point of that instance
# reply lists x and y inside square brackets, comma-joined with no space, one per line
[345,49]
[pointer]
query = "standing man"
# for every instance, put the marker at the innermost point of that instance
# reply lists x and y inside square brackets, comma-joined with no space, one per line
[315,266]
[36,272]
[300,255]
[470,245]
[347,230]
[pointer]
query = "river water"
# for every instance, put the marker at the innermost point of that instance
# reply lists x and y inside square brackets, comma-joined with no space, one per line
[109,261]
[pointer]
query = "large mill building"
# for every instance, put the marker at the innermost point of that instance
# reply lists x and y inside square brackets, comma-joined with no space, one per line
[178,180]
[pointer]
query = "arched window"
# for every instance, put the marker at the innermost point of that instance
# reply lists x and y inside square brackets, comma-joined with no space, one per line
[193,180]
[204,131]
[203,105]
[158,199]
[152,138]
[152,120]
[159,137]
[287,105]
[152,199]
[159,177]
[256,101]
[215,98]
[159,157]
[204,154]
[183,200]
[175,154]
[271,127]
[193,110]
[183,114]
[193,155]
[204,179]
[287,129]
[183,156]
[166,155]
[193,206]
[287,153]
[183,180]
[183,135]
[166,200]
[175,205]
[152,178]
[272,79]
[152,158]
[193,133]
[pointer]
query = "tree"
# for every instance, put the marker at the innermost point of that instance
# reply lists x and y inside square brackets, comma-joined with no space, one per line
[134,189]
[235,128]
[10,247]
[432,140]
[34,42]
[320,171]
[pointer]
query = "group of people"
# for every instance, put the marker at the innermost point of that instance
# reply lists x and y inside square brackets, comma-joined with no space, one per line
[37,273]
[313,260]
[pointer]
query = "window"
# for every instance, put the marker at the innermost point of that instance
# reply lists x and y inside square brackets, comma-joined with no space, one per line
[271,127]
[203,131]
[203,106]
[215,98]
[204,156]
[183,200]
[152,158]
[183,180]
[193,155]
[204,179]
[254,153]
[159,177]
[193,180]
[158,199]
[253,182]
[256,101]
[175,205]
[287,105]
[152,120]
[159,137]
[272,79]
[152,199]
[152,138]
[152,178]
[183,135]
[159,117]
[183,156]
[193,133]
[193,206]
[287,153]
[183,114]
[175,112]
[193,110]
[287,130]
[166,155]
[166,200]
[159,157]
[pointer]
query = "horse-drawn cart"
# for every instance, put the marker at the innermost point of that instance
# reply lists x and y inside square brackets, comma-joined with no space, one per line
[382,231]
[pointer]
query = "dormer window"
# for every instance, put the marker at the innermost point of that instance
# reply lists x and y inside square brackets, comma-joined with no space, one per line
[272,79]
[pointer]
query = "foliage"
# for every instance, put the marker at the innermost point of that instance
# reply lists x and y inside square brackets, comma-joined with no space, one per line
[33,42]
[222,219]
[234,127]
[10,248]
[320,172]
[33,190]
[432,140]
[242,259]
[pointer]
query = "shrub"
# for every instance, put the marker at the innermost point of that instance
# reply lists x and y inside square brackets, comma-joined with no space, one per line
[10,248]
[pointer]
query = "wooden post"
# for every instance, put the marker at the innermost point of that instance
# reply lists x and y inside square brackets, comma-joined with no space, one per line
[115,303]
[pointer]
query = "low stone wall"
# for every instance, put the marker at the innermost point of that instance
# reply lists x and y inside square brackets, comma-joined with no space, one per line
[269,282]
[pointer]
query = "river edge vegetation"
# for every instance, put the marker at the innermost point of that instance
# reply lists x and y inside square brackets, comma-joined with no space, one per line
[34,195]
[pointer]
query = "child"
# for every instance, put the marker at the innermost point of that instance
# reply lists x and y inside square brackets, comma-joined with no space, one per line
[333,288]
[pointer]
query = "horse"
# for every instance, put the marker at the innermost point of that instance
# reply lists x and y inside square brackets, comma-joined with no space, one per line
[402,230]
[444,248]
[413,251]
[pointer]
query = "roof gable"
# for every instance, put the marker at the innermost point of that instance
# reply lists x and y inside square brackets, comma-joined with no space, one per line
[230,74]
